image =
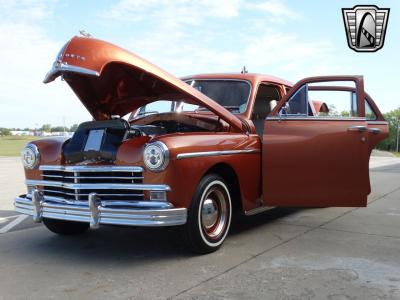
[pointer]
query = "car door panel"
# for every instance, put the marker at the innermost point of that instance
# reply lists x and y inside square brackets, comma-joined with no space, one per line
[316,161]
[378,129]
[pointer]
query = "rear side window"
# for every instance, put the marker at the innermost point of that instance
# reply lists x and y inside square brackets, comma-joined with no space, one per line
[369,113]
[327,99]
[334,104]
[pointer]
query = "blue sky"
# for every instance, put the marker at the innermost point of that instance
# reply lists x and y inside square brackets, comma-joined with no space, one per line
[289,39]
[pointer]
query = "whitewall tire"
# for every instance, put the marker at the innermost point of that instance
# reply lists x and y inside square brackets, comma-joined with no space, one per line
[209,216]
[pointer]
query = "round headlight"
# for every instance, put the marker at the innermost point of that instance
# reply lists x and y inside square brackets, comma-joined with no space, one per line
[156,156]
[30,156]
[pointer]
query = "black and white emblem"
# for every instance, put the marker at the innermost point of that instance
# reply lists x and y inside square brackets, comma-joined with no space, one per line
[365,27]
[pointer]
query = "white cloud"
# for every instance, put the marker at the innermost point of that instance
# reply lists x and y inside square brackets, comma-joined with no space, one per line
[291,55]
[26,54]
[182,50]
[276,8]
[184,37]
[26,10]
[182,11]
[194,12]
[285,55]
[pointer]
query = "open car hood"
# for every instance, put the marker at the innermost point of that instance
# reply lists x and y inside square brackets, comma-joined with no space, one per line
[112,81]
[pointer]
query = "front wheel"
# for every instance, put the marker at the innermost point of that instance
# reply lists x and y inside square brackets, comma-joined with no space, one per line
[209,215]
[65,227]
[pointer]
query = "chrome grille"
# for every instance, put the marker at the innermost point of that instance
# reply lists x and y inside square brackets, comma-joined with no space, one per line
[108,182]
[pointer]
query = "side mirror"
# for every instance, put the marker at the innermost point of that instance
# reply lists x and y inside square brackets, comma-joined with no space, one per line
[284,110]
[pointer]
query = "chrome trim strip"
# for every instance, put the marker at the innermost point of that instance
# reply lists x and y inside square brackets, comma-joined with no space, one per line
[302,118]
[59,68]
[87,194]
[378,122]
[93,177]
[110,203]
[137,204]
[215,153]
[143,216]
[374,130]
[99,186]
[90,168]
[359,128]
[258,210]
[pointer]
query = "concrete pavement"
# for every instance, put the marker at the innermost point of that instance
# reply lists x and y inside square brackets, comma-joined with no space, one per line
[11,181]
[333,253]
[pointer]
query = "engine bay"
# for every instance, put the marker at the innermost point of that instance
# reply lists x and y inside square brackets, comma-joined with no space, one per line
[179,122]
[100,140]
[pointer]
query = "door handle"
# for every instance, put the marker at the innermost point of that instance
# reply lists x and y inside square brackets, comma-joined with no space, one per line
[374,130]
[359,128]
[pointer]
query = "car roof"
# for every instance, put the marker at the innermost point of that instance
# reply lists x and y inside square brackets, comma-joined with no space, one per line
[252,77]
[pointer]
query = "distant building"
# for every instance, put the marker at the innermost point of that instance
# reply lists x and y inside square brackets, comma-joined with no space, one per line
[22,132]
[41,133]
[61,133]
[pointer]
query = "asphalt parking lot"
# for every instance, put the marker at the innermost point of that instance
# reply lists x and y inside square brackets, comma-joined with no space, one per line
[331,253]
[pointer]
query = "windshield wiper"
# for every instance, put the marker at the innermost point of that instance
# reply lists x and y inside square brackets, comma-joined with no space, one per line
[229,107]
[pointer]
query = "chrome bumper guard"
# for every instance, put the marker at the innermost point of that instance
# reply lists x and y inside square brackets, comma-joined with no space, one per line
[96,212]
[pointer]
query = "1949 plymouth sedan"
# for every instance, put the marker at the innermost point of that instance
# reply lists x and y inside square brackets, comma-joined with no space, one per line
[163,151]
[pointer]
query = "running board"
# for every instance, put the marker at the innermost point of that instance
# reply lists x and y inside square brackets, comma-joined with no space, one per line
[258,210]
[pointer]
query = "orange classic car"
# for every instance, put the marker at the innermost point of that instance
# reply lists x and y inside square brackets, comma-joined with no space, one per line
[188,152]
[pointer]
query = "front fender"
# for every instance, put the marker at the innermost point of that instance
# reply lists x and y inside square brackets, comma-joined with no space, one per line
[183,173]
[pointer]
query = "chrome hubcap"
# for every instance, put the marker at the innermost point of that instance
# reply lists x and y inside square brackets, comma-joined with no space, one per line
[209,213]
[214,212]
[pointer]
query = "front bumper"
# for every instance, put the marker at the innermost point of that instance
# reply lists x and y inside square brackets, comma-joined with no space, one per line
[96,212]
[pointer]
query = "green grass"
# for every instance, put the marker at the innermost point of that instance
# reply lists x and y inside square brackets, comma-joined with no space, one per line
[396,153]
[12,145]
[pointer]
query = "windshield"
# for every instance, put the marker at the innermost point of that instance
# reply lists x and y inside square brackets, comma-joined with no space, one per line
[232,94]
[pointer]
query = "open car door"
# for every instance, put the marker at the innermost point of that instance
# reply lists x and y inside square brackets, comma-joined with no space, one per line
[316,160]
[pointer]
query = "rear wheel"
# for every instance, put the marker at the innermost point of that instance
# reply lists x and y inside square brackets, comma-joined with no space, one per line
[209,215]
[65,227]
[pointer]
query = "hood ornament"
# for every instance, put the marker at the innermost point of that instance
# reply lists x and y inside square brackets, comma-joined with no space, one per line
[85,33]
[244,70]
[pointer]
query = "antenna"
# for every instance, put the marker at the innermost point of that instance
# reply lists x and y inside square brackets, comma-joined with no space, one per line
[244,70]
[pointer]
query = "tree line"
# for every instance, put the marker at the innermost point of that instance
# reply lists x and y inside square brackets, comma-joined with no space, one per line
[45,128]
[390,143]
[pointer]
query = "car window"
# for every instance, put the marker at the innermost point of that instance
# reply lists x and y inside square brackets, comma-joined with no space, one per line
[230,93]
[156,107]
[187,107]
[334,103]
[369,113]
[327,99]
[297,104]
